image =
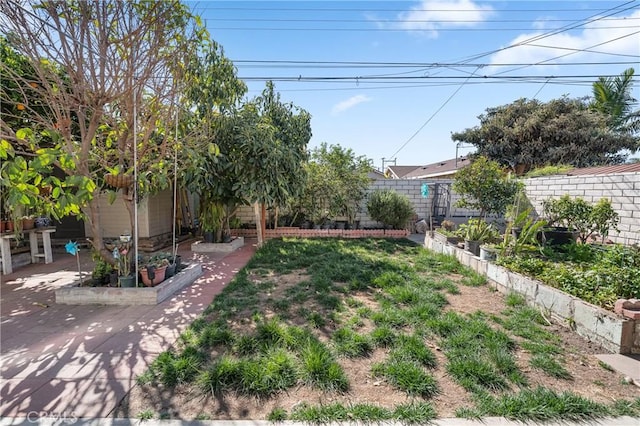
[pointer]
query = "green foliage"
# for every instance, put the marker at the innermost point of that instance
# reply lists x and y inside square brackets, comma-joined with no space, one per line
[530,133]
[84,144]
[320,369]
[336,184]
[596,275]
[558,169]
[485,186]
[351,344]
[407,376]
[613,97]
[390,208]
[539,404]
[478,230]
[577,214]
[278,414]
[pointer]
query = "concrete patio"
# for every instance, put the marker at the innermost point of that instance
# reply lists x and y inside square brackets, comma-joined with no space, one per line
[82,360]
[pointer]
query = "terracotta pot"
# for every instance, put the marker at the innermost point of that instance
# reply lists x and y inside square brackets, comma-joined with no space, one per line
[2,226]
[28,223]
[157,279]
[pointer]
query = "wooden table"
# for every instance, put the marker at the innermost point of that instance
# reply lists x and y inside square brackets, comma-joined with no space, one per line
[5,246]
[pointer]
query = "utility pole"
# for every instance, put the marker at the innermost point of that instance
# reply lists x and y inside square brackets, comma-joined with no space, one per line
[385,161]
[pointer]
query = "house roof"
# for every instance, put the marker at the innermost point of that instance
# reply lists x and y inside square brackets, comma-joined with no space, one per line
[605,170]
[400,172]
[441,168]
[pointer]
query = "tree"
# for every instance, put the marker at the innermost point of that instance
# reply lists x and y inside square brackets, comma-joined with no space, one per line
[612,96]
[337,181]
[528,133]
[261,149]
[98,67]
[485,186]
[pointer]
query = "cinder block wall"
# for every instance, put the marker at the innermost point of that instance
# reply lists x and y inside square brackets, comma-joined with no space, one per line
[412,188]
[623,189]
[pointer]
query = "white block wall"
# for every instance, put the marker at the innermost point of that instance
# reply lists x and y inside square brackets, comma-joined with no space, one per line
[622,189]
[412,188]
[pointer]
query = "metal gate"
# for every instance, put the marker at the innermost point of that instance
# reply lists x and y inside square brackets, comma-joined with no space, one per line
[441,201]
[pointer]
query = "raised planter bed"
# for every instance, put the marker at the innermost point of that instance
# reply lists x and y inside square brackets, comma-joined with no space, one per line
[75,295]
[202,247]
[614,332]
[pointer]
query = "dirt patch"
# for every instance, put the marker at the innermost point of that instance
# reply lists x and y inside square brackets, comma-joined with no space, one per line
[590,379]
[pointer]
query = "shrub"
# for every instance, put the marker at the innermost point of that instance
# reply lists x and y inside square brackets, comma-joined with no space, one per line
[484,186]
[390,208]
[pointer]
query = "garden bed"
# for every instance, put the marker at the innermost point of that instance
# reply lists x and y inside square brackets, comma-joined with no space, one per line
[612,331]
[75,295]
[373,330]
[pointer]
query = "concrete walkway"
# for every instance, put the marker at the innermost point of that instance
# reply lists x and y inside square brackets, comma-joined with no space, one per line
[83,360]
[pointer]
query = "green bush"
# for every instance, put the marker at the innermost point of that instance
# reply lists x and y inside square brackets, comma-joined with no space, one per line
[389,207]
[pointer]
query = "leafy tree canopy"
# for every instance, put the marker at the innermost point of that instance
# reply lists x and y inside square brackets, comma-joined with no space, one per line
[485,186]
[87,79]
[528,134]
[337,181]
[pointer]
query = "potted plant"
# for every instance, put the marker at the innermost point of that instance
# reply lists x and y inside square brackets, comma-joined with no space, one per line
[475,232]
[529,237]
[211,220]
[561,215]
[446,233]
[154,272]
[489,252]
[122,255]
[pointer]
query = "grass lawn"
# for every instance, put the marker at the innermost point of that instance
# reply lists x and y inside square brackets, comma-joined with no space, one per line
[324,330]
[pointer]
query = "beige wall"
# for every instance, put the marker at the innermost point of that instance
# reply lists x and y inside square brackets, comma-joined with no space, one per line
[154,216]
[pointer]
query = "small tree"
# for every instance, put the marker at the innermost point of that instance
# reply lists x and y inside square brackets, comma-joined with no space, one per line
[337,181]
[486,187]
[390,208]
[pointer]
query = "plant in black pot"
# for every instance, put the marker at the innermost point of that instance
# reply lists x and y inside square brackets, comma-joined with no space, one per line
[211,221]
[559,214]
[476,232]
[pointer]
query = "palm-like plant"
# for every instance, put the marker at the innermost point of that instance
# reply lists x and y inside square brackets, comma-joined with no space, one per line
[612,96]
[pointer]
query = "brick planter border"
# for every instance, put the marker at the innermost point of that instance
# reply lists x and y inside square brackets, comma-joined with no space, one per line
[310,233]
[612,331]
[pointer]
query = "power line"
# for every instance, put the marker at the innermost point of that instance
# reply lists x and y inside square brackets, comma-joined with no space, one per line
[317,29]
[433,115]
[364,79]
[285,64]
[313,9]
[400,21]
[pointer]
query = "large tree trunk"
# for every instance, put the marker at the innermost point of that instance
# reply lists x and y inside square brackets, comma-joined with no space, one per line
[96,234]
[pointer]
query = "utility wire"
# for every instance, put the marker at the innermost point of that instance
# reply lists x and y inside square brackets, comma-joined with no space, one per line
[433,115]
[333,29]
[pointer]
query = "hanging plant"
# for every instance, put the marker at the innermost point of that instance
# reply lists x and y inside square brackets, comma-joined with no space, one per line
[118,180]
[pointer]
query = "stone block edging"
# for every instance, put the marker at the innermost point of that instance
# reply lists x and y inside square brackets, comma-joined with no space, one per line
[74,295]
[614,332]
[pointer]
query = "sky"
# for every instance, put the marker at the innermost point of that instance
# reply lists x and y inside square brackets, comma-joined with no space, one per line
[393,79]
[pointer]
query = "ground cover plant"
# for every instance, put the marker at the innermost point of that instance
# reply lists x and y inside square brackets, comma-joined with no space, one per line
[369,330]
[598,274]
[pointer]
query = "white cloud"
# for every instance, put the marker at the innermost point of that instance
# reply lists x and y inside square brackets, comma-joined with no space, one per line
[349,103]
[431,15]
[594,37]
